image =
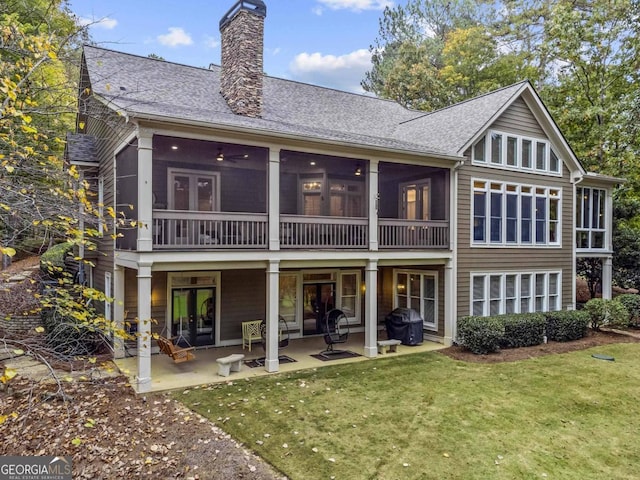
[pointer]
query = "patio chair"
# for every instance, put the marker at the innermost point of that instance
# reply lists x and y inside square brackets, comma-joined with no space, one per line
[335,327]
[250,332]
[283,333]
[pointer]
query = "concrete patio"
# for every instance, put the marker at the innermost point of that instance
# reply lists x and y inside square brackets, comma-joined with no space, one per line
[167,375]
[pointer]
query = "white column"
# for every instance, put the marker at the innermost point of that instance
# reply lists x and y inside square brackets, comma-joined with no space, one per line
[145,190]
[271,363]
[118,309]
[144,327]
[607,277]
[449,303]
[273,193]
[371,309]
[374,198]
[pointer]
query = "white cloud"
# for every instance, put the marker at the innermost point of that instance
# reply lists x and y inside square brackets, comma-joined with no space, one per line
[344,72]
[355,5]
[105,22]
[176,37]
[211,42]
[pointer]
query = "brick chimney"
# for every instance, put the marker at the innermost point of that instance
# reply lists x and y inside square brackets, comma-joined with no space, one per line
[242,32]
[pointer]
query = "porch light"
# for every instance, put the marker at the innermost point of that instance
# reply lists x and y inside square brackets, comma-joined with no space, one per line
[174,147]
[358,171]
[220,156]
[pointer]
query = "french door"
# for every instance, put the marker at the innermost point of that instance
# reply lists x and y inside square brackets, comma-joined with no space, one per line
[193,315]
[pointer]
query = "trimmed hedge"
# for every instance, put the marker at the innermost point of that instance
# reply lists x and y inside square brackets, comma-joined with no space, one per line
[567,325]
[484,335]
[481,335]
[522,329]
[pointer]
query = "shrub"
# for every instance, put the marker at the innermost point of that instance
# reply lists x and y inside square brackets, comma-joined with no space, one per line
[631,302]
[606,312]
[481,335]
[522,330]
[567,325]
[52,261]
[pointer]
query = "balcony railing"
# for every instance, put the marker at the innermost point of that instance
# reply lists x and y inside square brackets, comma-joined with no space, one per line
[182,229]
[394,233]
[179,229]
[297,231]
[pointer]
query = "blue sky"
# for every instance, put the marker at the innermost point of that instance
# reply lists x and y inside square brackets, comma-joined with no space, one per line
[323,42]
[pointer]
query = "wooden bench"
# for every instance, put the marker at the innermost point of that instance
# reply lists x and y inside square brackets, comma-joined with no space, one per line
[178,354]
[390,346]
[230,363]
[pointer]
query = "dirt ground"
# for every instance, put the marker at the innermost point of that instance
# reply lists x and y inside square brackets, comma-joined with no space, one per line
[94,416]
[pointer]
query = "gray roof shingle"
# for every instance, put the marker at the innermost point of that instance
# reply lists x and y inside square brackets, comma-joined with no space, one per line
[140,86]
[81,148]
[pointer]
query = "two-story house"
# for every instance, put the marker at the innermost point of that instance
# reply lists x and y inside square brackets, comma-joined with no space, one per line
[258,197]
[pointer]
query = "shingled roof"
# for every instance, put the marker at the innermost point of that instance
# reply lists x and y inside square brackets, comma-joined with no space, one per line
[149,88]
[81,148]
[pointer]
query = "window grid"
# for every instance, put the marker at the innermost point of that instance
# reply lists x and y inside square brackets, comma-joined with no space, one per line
[512,151]
[507,214]
[590,218]
[418,290]
[499,293]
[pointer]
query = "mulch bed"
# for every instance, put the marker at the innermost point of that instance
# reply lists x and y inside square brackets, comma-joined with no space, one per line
[593,339]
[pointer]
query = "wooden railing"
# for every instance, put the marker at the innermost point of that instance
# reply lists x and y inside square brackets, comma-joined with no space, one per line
[178,229]
[297,231]
[182,229]
[394,233]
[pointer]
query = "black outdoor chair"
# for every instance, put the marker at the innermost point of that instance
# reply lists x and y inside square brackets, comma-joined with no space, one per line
[283,338]
[335,327]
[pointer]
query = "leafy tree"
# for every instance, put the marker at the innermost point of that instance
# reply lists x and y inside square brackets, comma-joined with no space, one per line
[40,196]
[626,241]
[407,56]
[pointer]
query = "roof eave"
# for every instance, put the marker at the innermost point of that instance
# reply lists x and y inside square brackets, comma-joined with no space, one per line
[277,134]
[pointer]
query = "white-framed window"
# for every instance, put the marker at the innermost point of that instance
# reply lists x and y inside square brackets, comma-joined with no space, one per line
[506,214]
[512,151]
[349,295]
[498,293]
[108,295]
[193,190]
[418,290]
[288,298]
[591,218]
[416,200]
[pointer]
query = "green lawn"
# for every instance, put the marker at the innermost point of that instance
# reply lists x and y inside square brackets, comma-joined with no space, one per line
[425,416]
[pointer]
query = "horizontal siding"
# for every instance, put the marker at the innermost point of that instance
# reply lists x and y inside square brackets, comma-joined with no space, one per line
[503,259]
[518,119]
[243,298]
[109,130]
[159,299]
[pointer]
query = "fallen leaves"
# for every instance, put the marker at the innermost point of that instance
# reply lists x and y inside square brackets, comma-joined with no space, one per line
[112,433]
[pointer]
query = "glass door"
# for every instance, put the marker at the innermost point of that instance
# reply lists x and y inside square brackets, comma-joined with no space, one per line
[193,316]
[319,298]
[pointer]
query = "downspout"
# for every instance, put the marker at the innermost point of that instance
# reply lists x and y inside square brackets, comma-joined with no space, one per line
[453,243]
[575,180]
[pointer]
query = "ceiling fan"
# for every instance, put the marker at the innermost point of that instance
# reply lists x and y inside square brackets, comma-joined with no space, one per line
[222,157]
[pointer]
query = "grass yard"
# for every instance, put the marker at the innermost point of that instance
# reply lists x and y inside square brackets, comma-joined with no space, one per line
[426,416]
